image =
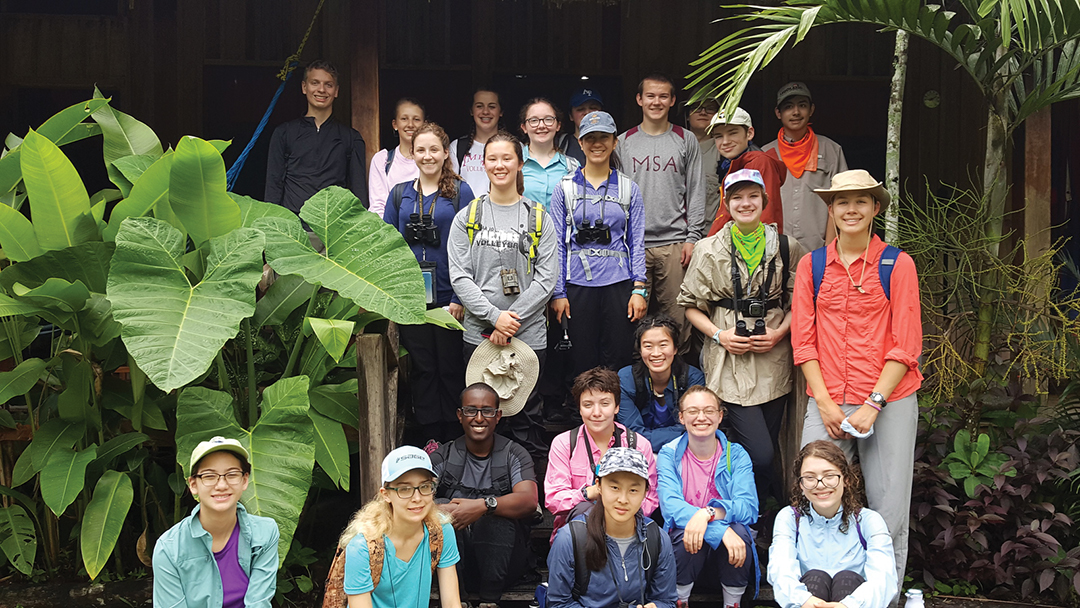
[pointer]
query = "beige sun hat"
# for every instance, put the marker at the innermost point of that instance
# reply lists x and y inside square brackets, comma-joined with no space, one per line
[853,181]
[511,370]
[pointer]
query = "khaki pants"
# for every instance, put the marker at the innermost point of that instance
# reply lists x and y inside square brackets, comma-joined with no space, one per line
[664,277]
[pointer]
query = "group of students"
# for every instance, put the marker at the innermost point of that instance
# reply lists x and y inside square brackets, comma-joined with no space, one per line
[563,247]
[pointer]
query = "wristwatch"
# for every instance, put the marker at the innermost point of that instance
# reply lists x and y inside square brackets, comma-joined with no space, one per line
[640,291]
[878,399]
[491,503]
[585,492]
[712,513]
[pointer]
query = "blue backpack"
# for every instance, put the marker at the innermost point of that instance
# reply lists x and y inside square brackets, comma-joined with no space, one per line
[885,267]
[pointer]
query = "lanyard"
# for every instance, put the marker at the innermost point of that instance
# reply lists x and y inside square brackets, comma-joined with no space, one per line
[420,201]
[588,449]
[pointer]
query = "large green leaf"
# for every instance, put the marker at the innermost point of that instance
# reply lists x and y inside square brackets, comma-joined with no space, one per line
[64,476]
[24,470]
[59,203]
[18,538]
[54,435]
[197,191]
[282,447]
[19,380]
[331,448]
[147,415]
[73,404]
[150,190]
[103,520]
[251,210]
[171,328]
[17,236]
[333,334]
[55,293]
[88,263]
[10,307]
[125,171]
[337,402]
[284,296]
[117,446]
[23,331]
[124,135]
[366,259]
[63,127]
[442,318]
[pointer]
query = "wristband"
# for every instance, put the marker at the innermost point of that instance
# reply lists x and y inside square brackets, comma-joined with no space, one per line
[716,337]
[872,404]
[640,291]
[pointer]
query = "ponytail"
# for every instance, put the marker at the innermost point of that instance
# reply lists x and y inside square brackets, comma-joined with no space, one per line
[596,554]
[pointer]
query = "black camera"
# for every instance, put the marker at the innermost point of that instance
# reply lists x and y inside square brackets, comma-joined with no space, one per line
[742,330]
[421,229]
[595,232]
[754,308]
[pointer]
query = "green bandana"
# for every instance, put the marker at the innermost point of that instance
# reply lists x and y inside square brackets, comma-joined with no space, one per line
[750,246]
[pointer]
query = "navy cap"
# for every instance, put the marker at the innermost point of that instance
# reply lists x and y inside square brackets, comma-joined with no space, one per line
[579,98]
[597,122]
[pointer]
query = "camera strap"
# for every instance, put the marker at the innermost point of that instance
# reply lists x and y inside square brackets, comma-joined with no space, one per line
[736,279]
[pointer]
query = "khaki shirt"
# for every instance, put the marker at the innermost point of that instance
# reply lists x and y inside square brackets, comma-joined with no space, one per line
[710,157]
[805,214]
[752,378]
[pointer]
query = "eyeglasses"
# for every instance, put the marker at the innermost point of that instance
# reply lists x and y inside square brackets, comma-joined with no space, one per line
[708,109]
[549,121]
[406,492]
[210,480]
[809,482]
[708,411]
[470,412]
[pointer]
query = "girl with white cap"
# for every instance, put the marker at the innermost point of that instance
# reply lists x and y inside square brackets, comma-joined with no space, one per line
[398,538]
[220,555]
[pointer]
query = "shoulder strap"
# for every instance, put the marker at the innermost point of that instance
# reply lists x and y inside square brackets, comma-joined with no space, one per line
[858,528]
[631,439]
[398,193]
[818,259]
[785,274]
[579,540]
[376,553]
[435,541]
[334,596]
[457,196]
[472,224]
[562,141]
[389,159]
[641,390]
[652,549]
[624,202]
[885,267]
[536,223]
[464,144]
[500,466]
[797,517]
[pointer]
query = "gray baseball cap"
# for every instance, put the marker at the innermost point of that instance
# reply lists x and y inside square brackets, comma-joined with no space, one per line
[792,89]
[593,122]
[623,459]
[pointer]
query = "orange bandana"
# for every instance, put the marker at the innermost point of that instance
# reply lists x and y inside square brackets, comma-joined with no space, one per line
[801,155]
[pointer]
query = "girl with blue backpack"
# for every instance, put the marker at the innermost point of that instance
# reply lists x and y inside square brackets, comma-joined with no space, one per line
[827,549]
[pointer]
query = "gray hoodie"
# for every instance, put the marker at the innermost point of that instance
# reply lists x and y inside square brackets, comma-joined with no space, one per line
[502,242]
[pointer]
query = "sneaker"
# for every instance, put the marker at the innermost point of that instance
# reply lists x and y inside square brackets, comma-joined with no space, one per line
[431,446]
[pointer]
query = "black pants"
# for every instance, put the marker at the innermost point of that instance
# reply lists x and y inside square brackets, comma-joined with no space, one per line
[555,382]
[599,328]
[709,567]
[831,588]
[527,426]
[436,379]
[757,429]
[494,555]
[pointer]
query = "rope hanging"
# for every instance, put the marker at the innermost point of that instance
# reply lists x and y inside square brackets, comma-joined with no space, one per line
[283,75]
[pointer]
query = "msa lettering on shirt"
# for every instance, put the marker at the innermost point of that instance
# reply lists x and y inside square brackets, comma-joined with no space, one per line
[655,163]
[501,240]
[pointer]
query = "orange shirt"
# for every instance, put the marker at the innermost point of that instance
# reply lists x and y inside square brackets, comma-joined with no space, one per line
[852,334]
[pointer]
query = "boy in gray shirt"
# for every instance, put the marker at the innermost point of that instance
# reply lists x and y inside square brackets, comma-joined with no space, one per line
[665,162]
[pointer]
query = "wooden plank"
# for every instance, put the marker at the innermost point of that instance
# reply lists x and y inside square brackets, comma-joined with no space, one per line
[364,72]
[377,436]
[1037,185]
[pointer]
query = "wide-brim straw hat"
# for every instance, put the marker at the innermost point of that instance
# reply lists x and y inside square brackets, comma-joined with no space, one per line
[853,181]
[511,370]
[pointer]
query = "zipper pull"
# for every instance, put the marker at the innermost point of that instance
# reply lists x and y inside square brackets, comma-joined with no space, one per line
[624,575]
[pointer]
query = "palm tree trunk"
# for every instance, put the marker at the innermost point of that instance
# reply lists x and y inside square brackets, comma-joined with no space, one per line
[892,138]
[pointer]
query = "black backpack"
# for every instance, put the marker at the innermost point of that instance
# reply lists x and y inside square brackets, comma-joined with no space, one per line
[464,144]
[455,455]
[681,372]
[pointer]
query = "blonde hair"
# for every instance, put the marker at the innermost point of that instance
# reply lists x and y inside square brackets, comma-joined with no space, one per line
[376,518]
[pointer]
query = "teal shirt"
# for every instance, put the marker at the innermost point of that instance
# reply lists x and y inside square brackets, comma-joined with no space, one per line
[186,574]
[401,584]
[541,181]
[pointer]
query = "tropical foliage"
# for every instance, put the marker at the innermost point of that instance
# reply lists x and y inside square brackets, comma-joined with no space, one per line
[159,279]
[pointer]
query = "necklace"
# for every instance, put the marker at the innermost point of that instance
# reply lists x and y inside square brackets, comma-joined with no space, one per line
[847,267]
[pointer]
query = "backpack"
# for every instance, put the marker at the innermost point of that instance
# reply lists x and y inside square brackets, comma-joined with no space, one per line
[858,528]
[335,597]
[571,197]
[535,223]
[885,267]
[464,144]
[450,480]
[389,159]
[631,439]
[582,575]
[641,391]
[398,192]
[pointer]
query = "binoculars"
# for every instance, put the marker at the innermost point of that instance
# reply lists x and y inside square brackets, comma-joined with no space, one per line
[421,229]
[596,232]
[742,330]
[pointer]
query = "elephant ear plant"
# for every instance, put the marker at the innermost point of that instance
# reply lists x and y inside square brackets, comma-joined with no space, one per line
[161,275]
